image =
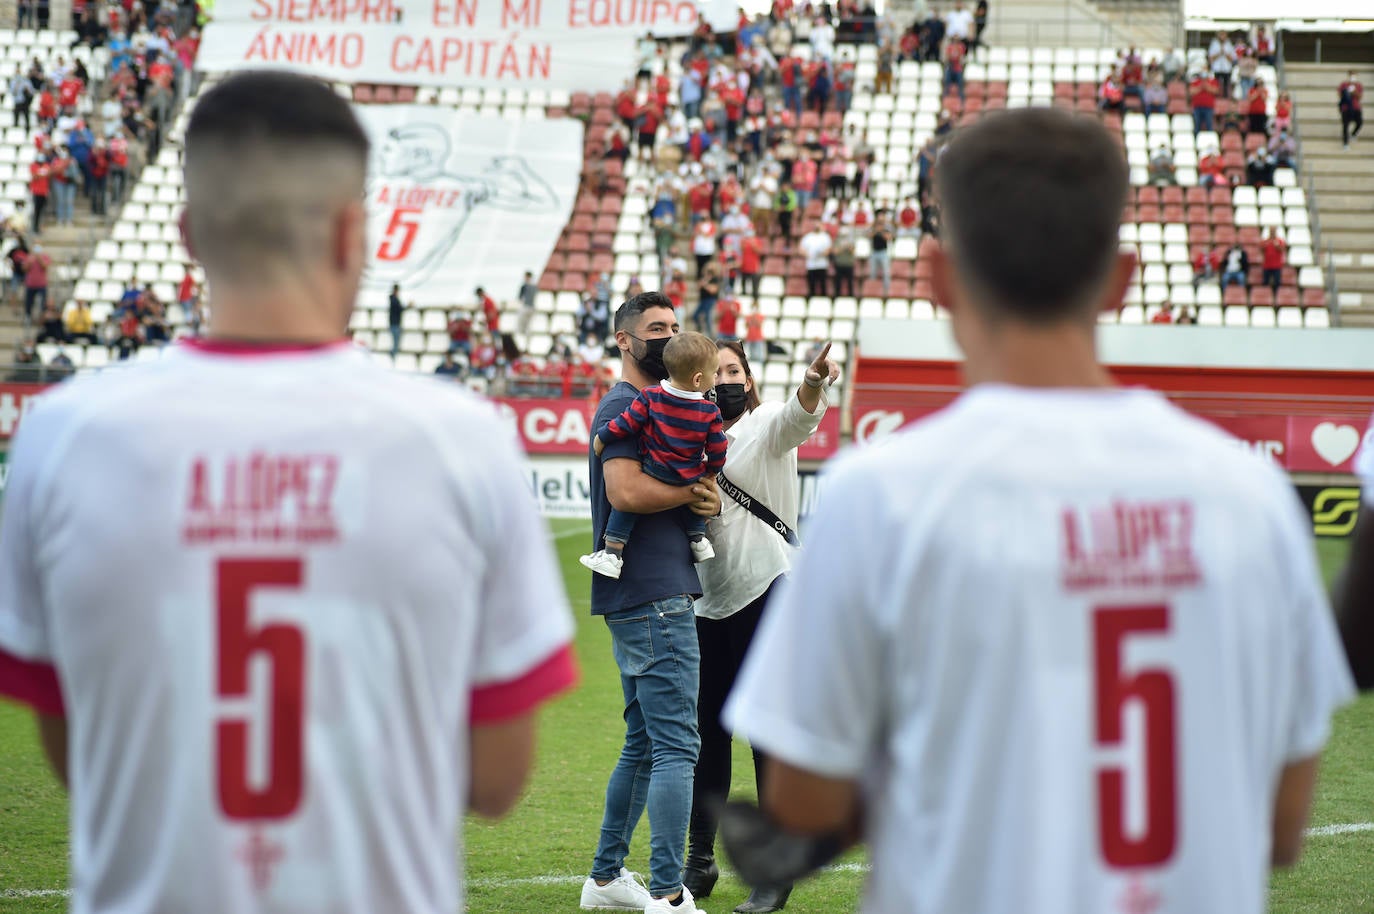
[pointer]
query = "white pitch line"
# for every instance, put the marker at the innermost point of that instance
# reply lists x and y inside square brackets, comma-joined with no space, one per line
[576,531]
[488,882]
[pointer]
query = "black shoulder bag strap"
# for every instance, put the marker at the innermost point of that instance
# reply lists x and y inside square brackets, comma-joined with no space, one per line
[758,509]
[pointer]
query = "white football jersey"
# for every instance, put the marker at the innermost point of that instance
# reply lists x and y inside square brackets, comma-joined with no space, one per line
[1364,465]
[1066,641]
[272,592]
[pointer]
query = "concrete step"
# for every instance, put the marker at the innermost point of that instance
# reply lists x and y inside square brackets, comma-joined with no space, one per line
[1343,166]
[1324,182]
[1356,240]
[1357,317]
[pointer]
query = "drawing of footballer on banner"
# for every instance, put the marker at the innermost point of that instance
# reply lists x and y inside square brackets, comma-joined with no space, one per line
[457,202]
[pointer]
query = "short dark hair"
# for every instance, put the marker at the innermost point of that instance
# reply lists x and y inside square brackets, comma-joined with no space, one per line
[274,105]
[628,314]
[1031,206]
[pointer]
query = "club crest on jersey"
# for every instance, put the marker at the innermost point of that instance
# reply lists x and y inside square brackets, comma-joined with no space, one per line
[1129,545]
[261,497]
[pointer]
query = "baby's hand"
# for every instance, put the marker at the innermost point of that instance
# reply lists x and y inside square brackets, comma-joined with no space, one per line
[598,445]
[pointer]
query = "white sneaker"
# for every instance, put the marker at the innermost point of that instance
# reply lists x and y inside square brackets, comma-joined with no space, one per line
[664,906]
[702,550]
[626,892]
[604,562]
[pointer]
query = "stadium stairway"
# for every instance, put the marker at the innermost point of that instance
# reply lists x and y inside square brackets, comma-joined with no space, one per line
[1343,182]
[1082,24]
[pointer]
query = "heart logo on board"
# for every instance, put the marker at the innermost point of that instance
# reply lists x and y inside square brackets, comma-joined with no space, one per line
[1335,443]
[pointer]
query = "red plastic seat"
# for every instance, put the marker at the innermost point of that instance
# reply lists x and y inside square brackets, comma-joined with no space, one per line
[1234,295]
[1262,295]
[1289,297]
[1313,298]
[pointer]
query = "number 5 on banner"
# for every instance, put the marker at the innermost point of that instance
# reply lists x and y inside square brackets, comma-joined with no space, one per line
[400,233]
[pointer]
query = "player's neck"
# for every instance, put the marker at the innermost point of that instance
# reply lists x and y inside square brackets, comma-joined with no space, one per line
[1063,356]
[280,315]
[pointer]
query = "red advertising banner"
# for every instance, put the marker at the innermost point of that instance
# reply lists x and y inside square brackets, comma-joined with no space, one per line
[564,427]
[1297,443]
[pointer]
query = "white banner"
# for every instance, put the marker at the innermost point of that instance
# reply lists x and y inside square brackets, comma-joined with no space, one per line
[577,45]
[457,201]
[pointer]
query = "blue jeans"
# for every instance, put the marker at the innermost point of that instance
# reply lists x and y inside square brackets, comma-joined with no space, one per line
[792,99]
[1236,278]
[64,205]
[1203,119]
[655,646]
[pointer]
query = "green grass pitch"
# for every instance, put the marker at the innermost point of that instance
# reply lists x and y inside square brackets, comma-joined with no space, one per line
[536,859]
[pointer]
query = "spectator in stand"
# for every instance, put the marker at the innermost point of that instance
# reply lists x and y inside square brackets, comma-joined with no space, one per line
[648,118]
[805,174]
[1273,257]
[1165,314]
[1221,57]
[1155,97]
[955,53]
[1284,149]
[60,366]
[28,368]
[887,67]
[491,316]
[100,170]
[25,14]
[188,289]
[1211,170]
[155,328]
[751,262]
[793,77]
[483,362]
[47,105]
[63,175]
[130,335]
[1235,267]
[449,368]
[755,343]
[50,326]
[69,89]
[1206,264]
[959,23]
[1161,169]
[980,24]
[22,92]
[36,268]
[676,290]
[708,293]
[1111,95]
[843,257]
[880,256]
[844,79]
[527,294]
[1132,76]
[1283,112]
[704,245]
[460,333]
[40,185]
[1247,71]
[815,248]
[119,167]
[785,208]
[1174,66]
[395,310]
[1203,92]
[592,349]
[1259,168]
[1257,108]
[80,324]
[822,39]
[1350,104]
[1264,46]
[727,316]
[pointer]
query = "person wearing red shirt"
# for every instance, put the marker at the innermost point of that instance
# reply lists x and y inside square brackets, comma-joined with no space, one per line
[130,334]
[67,94]
[39,186]
[792,73]
[100,170]
[676,290]
[751,262]
[161,72]
[1165,315]
[1273,256]
[626,105]
[1132,75]
[1206,263]
[650,114]
[954,67]
[483,361]
[727,317]
[909,220]
[1210,170]
[729,193]
[754,344]
[1203,92]
[699,199]
[733,100]
[1257,108]
[36,282]
[460,333]
[47,108]
[1350,105]
[491,314]
[662,89]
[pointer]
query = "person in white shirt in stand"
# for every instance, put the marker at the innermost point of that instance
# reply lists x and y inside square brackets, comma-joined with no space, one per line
[822,39]
[959,23]
[752,556]
[289,701]
[1093,678]
[815,247]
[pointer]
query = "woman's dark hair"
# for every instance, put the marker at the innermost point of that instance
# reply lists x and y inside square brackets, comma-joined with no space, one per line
[737,349]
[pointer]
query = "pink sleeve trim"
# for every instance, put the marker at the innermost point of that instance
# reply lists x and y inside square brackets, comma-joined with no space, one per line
[33,683]
[501,701]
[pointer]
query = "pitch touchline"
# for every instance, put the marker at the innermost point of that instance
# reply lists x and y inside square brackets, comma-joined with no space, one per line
[1320,831]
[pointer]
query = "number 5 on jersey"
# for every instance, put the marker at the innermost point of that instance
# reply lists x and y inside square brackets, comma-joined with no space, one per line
[1153,689]
[282,646]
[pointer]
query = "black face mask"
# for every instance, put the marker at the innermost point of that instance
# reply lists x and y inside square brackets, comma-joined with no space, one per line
[732,399]
[651,362]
